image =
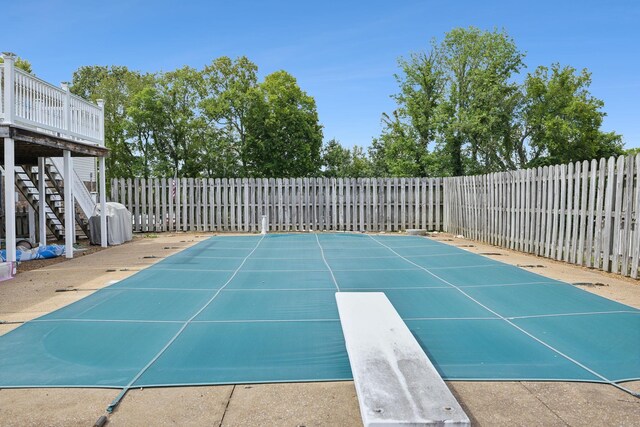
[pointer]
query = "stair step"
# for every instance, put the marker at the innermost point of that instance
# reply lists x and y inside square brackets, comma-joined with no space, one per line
[26,180]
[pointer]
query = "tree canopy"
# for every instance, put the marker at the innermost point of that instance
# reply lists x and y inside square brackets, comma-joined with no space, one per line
[341,162]
[220,121]
[464,108]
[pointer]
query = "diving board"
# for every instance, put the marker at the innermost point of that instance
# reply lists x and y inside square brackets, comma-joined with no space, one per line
[395,381]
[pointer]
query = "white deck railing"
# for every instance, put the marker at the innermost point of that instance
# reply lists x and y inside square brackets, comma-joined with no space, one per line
[28,101]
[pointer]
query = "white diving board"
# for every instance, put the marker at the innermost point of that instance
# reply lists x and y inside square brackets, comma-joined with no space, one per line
[396,383]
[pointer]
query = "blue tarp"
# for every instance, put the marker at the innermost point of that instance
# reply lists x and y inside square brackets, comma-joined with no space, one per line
[40,252]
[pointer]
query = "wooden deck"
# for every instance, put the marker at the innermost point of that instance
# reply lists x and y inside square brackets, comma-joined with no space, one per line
[31,144]
[38,121]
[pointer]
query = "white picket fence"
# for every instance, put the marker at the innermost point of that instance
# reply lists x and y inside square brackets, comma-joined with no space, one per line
[587,213]
[296,204]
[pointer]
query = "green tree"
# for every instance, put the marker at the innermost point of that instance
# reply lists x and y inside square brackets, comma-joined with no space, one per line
[183,128]
[216,122]
[462,111]
[340,162]
[143,123]
[454,107]
[22,64]
[561,120]
[218,156]
[478,67]
[360,166]
[231,88]
[398,151]
[336,160]
[283,135]
[422,88]
[403,147]
[115,85]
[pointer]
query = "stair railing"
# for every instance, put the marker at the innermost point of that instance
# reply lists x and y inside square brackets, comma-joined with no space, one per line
[80,191]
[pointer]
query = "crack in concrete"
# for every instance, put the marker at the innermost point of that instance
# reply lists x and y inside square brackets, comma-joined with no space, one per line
[227,407]
[544,404]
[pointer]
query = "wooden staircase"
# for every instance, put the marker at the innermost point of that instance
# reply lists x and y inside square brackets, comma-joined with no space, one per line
[26,183]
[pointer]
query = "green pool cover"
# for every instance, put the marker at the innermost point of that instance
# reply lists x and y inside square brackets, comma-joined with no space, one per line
[246,309]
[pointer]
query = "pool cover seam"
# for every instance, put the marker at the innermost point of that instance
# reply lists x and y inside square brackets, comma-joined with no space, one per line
[126,288]
[590,313]
[284,271]
[293,271]
[279,271]
[535,316]
[225,290]
[516,326]
[172,340]
[327,264]
[318,258]
[244,320]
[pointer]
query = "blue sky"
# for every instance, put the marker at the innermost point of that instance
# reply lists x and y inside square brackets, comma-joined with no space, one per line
[342,53]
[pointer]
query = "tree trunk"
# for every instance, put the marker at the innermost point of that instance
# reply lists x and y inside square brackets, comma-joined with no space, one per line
[455,147]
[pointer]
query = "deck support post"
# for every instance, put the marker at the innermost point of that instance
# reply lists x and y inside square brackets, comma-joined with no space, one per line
[69,205]
[102,172]
[103,203]
[31,217]
[42,214]
[9,159]
[10,198]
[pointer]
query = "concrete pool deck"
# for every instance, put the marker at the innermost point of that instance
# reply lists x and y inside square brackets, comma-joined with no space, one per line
[34,293]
